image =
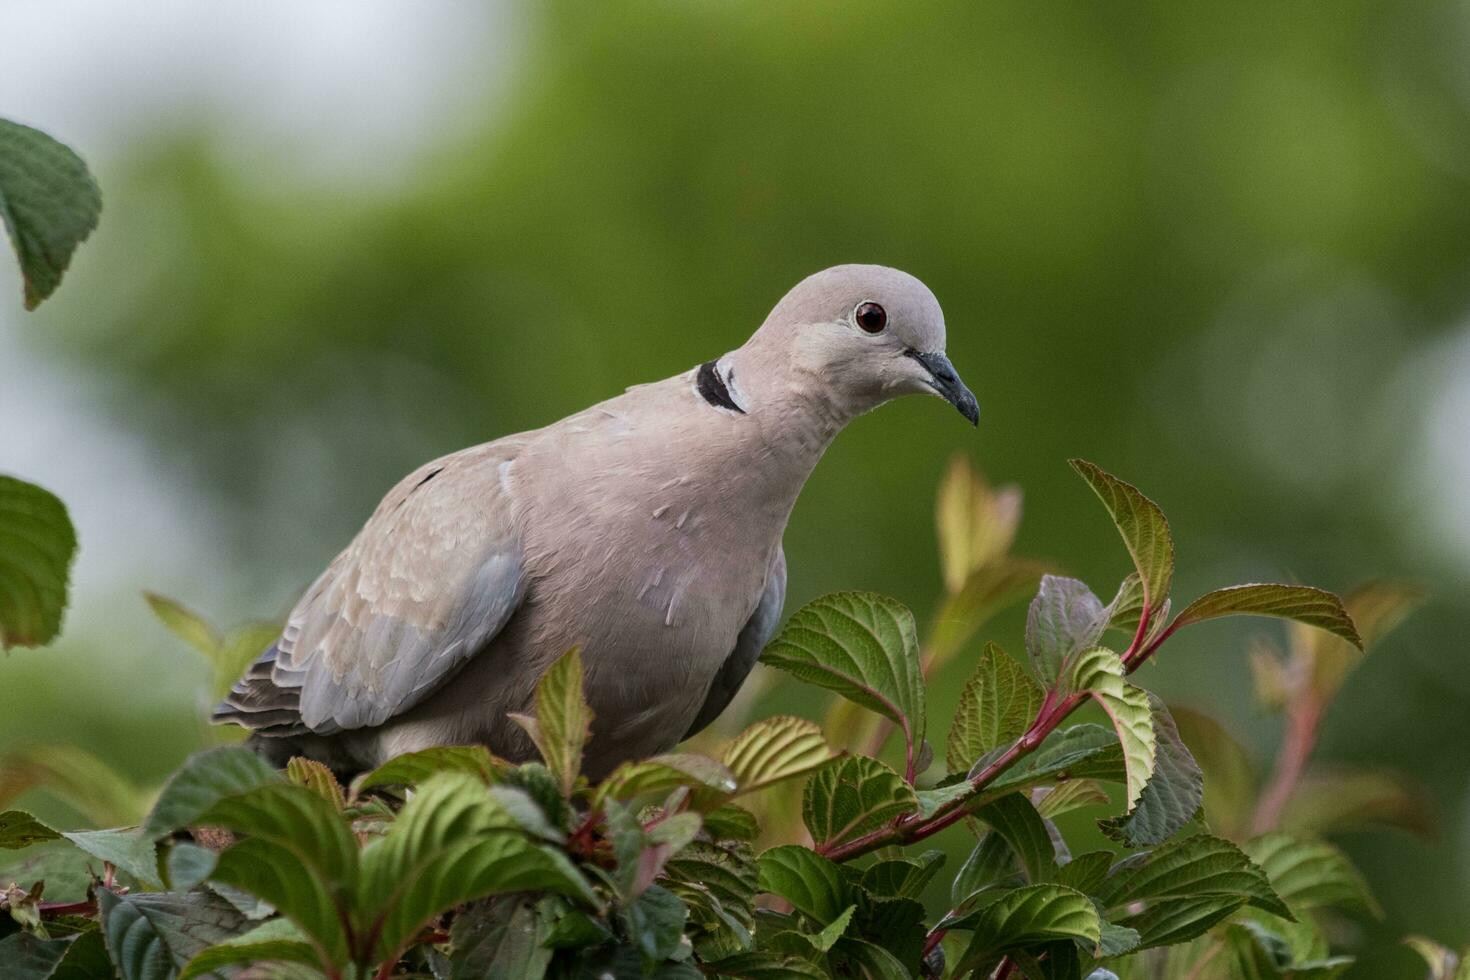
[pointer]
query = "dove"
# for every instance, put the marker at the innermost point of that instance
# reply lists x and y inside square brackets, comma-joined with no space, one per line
[645,530]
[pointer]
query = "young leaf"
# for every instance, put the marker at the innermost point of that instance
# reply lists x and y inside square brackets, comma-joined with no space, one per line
[1026,916]
[660,774]
[49,204]
[1018,823]
[864,647]
[412,768]
[1311,874]
[1099,673]
[997,705]
[773,750]
[185,623]
[813,885]
[1074,794]
[277,941]
[1144,529]
[150,936]
[563,720]
[1300,603]
[37,544]
[19,829]
[317,778]
[985,592]
[202,781]
[1065,617]
[1173,794]
[1189,868]
[846,800]
[976,524]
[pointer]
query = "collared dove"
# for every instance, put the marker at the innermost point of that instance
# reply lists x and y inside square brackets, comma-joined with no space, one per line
[645,530]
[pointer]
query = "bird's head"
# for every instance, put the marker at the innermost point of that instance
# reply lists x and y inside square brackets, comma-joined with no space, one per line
[865,334]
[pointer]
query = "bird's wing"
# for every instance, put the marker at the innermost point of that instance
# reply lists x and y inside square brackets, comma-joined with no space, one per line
[431,578]
[754,636]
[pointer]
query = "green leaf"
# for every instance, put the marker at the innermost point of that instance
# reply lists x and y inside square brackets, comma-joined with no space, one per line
[412,768]
[37,544]
[825,938]
[85,959]
[661,774]
[764,965]
[185,623]
[864,647]
[188,865]
[19,829]
[985,592]
[1144,529]
[656,924]
[563,720]
[500,939]
[453,842]
[1016,820]
[1347,800]
[1026,916]
[66,871]
[317,778]
[1127,606]
[1063,619]
[125,849]
[997,705]
[976,525]
[1074,794]
[1099,673]
[812,884]
[275,874]
[1074,752]
[718,882]
[773,750]
[1189,868]
[75,777]
[1311,874]
[27,957]
[901,877]
[205,779]
[278,941]
[1230,779]
[1300,603]
[1168,923]
[731,822]
[1086,872]
[151,936]
[871,961]
[991,861]
[49,204]
[1173,794]
[849,798]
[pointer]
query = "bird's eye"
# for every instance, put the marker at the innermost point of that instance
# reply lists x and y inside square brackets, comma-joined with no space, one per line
[871,317]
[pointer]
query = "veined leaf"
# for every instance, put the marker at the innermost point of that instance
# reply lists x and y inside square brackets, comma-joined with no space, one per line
[1099,673]
[37,540]
[1173,795]
[864,647]
[1084,751]
[563,720]
[812,884]
[1189,868]
[991,862]
[661,774]
[28,957]
[718,882]
[775,749]
[849,798]
[1086,871]
[1144,529]
[49,204]
[124,848]
[19,829]
[1167,923]
[205,779]
[1026,916]
[502,939]
[1311,874]
[1127,606]
[1016,820]
[188,865]
[1064,618]
[731,822]
[317,778]
[976,524]
[997,705]
[1074,794]
[278,940]
[412,768]
[870,960]
[901,877]
[150,936]
[1300,603]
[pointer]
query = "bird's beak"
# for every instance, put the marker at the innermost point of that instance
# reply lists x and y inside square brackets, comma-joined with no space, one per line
[944,380]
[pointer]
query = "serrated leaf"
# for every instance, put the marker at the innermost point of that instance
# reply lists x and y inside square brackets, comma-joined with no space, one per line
[1026,916]
[1167,923]
[202,781]
[1063,619]
[1016,820]
[1127,606]
[1311,874]
[659,775]
[864,647]
[773,750]
[412,768]
[278,940]
[731,822]
[500,939]
[563,719]
[1099,673]
[37,542]
[453,842]
[49,204]
[1086,871]
[1075,752]
[1189,868]
[1143,526]
[1173,795]
[317,778]
[151,936]
[976,525]
[901,877]
[812,884]
[1299,603]
[19,829]
[125,849]
[997,705]
[849,798]
[1074,794]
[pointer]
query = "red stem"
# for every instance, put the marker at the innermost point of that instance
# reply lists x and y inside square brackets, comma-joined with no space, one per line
[1303,717]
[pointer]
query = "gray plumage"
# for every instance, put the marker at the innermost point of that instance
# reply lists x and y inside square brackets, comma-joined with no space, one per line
[646,530]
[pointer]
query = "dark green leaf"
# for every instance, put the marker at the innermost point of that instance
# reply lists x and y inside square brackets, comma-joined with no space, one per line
[812,884]
[1026,916]
[151,936]
[1076,752]
[656,924]
[1143,526]
[19,829]
[997,705]
[37,541]
[765,965]
[1016,820]
[901,877]
[205,779]
[412,768]
[895,924]
[1178,920]
[1191,867]
[845,800]
[991,861]
[278,940]
[1064,618]
[575,930]
[25,957]
[1300,603]
[731,822]
[187,865]
[49,204]
[85,959]
[125,849]
[1230,780]
[1086,872]
[1173,794]
[870,961]
[502,938]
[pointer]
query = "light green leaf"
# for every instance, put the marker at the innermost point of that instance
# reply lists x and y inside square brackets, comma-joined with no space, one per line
[1026,916]
[185,623]
[661,774]
[1074,794]
[1063,619]
[278,941]
[563,720]
[849,798]
[317,778]
[1016,820]
[19,829]
[864,647]
[812,884]
[202,781]
[37,543]
[1127,606]
[1311,874]
[1189,868]
[1099,673]
[1144,529]
[151,936]
[75,777]
[773,750]
[125,849]
[1173,794]
[412,768]
[1355,799]
[976,525]
[1300,603]
[49,204]
[985,592]
[66,871]
[1075,752]
[997,705]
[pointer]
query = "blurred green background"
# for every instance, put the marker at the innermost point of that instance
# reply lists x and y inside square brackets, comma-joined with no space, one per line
[1223,250]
